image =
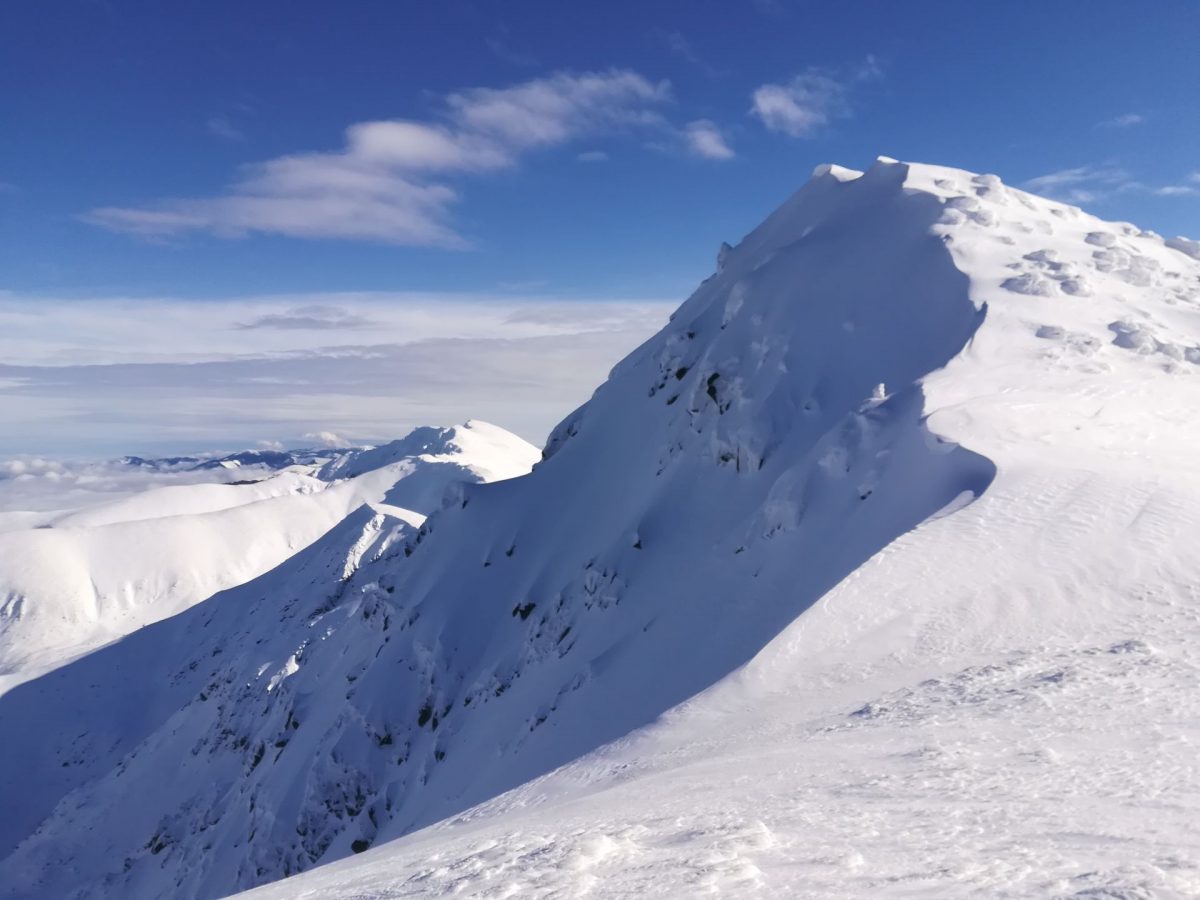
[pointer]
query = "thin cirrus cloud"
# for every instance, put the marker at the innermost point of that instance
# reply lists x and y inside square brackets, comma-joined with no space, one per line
[221,127]
[1096,184]
[812,99]
[1083,184]
[389,183]
[1127,120]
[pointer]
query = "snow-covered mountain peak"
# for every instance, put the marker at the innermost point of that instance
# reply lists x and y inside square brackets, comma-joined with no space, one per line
[863,364]
[473,443]
[884,277]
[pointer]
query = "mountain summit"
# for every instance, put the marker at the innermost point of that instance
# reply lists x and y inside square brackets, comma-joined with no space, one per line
[920,449]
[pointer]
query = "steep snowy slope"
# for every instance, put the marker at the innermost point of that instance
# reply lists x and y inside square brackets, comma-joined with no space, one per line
[87,577]
[803,411]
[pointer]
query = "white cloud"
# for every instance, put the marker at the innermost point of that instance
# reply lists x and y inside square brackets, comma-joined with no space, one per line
[327,439]
[1128,120]
[1178,190]
[808,102]
[1189,187]
[592,156]
[388,182]
[800,107]
[76,379]
[705,139]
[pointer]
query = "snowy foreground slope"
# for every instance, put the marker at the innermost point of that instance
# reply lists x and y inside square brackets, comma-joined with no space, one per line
[744,627]
[82,578]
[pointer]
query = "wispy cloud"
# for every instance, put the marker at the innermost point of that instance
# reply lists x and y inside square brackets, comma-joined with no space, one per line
[389,182]
[1083,184]
[75,379]
[591,156]
[1178,190]
[1096,184]
[224,129]
[1189,187]
[1127,120]
[681,46]
[705,139]
[809,101]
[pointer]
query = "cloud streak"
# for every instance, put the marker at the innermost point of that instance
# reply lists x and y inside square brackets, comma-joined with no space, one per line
[390,181]
[1127,120]
[1096,184]
[1083,184]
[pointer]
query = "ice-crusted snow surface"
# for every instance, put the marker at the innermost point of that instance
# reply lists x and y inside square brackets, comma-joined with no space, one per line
[872,574]
[78,579]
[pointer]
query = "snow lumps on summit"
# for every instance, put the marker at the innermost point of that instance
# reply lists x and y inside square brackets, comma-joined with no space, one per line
[872,571]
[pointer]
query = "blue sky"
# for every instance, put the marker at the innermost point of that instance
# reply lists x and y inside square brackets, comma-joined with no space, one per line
[144,106]
[214,182]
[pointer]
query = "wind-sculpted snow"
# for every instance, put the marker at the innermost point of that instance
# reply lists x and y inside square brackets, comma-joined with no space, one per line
[764,515]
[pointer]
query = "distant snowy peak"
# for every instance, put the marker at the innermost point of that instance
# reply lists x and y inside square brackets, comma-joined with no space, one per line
[474,444]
